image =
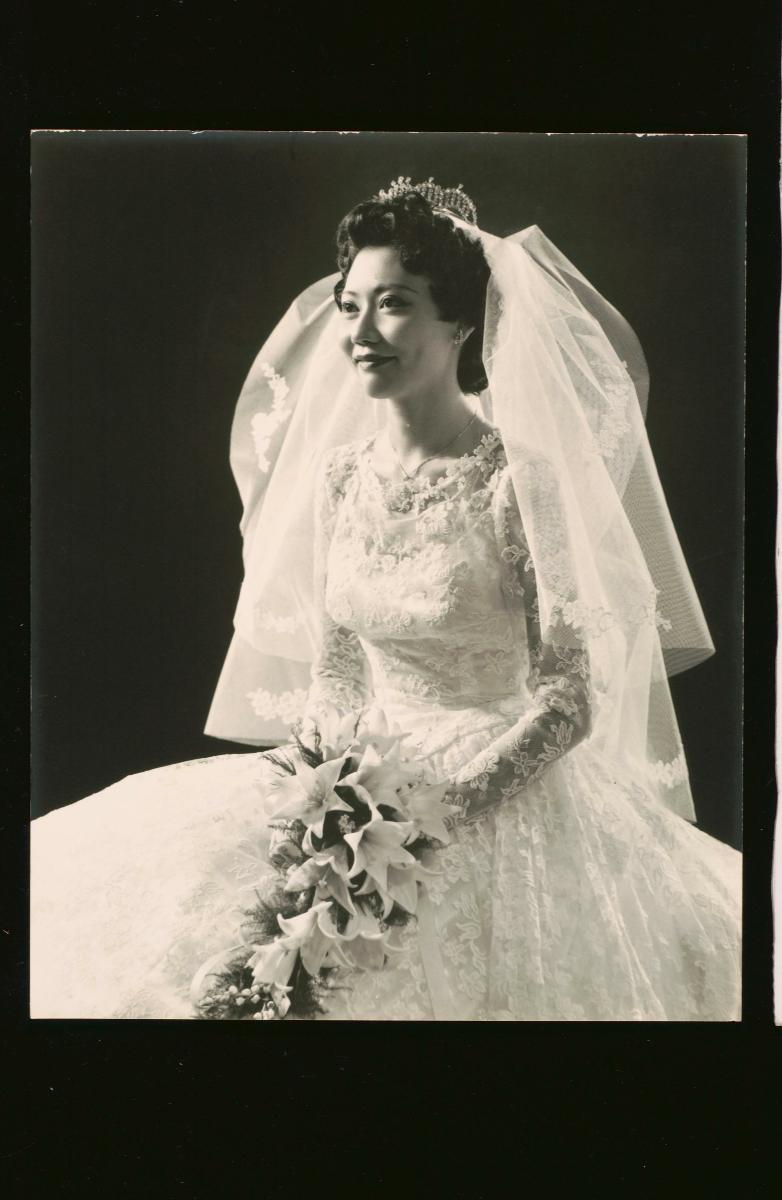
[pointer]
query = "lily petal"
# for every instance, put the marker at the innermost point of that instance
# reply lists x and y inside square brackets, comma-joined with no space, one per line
[364,924]
[385,778]
[331,805]
[305,876]
[298,928]
[274,962]
[370,887]
[425,808]
[320,940]
[338,888]
[378,843]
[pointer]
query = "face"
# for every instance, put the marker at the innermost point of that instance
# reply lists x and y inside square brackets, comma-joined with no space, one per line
[401,347]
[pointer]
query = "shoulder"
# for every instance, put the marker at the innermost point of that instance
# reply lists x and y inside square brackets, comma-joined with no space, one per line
[527,474]
[338,466]
[527,483]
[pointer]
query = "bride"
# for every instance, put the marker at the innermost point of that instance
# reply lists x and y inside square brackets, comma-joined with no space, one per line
[450,512]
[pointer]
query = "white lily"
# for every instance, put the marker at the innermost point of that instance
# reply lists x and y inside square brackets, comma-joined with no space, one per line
[378,845]
[328,869]
[309,794]
[400,886]
[424,807]
[314,935]
[383,779]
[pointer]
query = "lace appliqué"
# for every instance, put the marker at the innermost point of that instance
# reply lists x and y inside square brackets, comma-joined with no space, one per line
[607,395]
[415,605]
[416,493]
[265,425]
[269,620]
[595,621]
[669,774]
[618,391]
[287,706]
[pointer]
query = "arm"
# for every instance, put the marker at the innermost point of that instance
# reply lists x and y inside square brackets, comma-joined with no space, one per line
[340,680]
[558,684]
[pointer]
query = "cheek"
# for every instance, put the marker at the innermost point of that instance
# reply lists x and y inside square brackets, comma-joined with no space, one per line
[431,351]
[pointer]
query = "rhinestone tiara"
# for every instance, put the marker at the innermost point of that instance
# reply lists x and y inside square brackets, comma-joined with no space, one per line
[454,199]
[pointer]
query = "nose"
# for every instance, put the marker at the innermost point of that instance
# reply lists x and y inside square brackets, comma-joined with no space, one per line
[363,330]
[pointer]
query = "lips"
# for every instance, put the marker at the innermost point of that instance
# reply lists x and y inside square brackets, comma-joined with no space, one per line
[372,360]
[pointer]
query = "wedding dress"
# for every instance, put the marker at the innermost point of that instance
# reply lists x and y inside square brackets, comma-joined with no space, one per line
[570,892]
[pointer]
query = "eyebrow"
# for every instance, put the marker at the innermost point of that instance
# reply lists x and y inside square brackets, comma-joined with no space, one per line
[383,287]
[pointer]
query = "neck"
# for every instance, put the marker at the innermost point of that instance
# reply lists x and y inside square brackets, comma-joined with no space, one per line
[425,423]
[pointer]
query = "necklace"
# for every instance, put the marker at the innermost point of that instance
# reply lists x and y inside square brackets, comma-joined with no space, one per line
[437,453]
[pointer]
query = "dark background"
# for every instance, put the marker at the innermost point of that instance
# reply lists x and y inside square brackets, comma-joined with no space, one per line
[161,261]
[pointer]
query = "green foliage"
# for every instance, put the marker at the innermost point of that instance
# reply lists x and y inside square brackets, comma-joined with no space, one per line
[218,1004]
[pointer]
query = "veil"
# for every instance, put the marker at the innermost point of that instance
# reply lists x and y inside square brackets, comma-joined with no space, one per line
[567,391]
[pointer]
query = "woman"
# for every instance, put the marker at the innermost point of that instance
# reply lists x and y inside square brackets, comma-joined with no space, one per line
[494,567]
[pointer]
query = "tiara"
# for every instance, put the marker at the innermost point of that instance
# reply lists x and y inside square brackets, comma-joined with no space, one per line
[454,199]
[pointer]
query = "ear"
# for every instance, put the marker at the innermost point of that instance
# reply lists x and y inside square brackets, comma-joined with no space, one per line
[462,333]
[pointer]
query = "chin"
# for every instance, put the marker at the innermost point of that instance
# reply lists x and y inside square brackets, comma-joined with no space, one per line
[375,389]
[378,394]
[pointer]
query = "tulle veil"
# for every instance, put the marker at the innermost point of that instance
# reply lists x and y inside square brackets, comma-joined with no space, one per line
[567,390]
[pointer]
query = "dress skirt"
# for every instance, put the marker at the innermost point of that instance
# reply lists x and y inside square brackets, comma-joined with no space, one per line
[580,898]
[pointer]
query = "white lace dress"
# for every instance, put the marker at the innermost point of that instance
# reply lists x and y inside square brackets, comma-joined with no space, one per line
[570,894]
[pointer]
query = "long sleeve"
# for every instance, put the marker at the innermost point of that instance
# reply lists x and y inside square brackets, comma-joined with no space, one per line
[558,685]
[340,678]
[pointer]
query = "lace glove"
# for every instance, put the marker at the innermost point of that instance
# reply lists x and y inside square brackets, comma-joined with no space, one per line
[559,720]
[558,683]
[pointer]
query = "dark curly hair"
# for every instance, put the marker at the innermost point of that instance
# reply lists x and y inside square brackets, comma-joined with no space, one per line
[428,244]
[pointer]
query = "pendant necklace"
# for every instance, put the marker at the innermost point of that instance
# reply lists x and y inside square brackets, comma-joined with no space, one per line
[404,494]
[437,453]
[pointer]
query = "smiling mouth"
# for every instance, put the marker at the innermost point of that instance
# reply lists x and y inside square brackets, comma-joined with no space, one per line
[371,361]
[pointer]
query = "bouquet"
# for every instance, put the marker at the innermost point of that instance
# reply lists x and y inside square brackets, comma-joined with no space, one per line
[355,826]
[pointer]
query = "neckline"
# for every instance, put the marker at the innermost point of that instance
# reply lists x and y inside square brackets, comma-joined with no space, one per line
[420,487]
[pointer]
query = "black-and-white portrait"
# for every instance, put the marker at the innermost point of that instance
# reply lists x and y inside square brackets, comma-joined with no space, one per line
[387,521]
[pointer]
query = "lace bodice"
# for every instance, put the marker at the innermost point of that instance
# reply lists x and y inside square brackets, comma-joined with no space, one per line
[429,607]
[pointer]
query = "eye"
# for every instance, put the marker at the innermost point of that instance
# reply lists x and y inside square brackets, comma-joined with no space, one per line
[347,306]
[392,302]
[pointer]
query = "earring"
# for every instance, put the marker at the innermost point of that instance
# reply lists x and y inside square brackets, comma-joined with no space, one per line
[458,337]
